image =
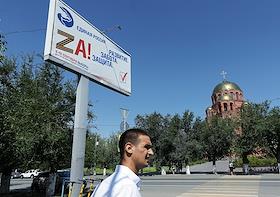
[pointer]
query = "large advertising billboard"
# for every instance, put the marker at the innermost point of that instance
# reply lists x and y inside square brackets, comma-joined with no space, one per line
[75,44]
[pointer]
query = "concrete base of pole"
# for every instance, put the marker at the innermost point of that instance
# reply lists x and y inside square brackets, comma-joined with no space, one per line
[188,170]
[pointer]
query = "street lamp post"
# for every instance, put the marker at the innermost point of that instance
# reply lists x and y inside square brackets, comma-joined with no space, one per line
[124,124]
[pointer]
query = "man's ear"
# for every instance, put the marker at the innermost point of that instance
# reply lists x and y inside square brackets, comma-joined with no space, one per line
[129,148]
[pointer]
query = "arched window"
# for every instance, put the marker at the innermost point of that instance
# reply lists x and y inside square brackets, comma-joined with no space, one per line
[237,96]
[233,95]
[231,106]
[220,108]
[225,107]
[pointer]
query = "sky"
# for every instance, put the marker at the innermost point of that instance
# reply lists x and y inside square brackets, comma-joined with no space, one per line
[178,50]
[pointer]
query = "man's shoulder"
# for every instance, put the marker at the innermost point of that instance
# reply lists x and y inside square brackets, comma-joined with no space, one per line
[116,180]
[117,187]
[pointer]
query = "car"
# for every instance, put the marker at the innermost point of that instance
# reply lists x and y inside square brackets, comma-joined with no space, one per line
[30,174]
[15,174]
[40,182]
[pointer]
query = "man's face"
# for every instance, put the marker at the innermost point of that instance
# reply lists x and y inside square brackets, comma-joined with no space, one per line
[142,152]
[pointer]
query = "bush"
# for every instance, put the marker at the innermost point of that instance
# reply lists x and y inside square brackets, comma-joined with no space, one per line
[149,169]
[197,162]
[257,161]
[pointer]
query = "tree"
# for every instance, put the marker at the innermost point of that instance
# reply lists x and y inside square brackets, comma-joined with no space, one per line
[271,133]
[185,139]
[111,156]
[249,137]
[176,139]
[43,113]
[8,156]
[217,136]
[188,144]
[3,47]
[168,147]
[156,125]
[37,109]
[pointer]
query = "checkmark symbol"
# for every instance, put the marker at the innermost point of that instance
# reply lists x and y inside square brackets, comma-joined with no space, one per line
[123,76]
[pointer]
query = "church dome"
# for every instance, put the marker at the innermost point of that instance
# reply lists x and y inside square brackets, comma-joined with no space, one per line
[226,85]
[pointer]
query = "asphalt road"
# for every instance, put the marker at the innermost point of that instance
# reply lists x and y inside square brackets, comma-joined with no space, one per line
[211,186]
[199,185]
[19,184]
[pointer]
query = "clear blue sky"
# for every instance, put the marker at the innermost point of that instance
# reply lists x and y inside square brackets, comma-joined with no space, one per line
[178,48]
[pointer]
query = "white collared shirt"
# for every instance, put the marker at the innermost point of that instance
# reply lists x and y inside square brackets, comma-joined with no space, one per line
[122,183]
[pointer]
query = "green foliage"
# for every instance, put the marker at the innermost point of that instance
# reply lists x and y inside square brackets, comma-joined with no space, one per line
[217,137]
[149,169]
[38,109]
[156,125]
[257,162]
[8,156]
[3,47]
[197,162]
[175,138]
[251,125]
[271,132]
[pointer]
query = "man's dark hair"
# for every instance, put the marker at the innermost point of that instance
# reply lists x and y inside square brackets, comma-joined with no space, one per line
[130,135]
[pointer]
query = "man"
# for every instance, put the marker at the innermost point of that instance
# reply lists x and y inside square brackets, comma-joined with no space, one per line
[135,151]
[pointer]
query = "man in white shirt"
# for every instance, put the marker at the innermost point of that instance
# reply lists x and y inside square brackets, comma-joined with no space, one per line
[135,151]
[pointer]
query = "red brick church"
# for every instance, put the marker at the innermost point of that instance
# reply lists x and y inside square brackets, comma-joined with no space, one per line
[227,99]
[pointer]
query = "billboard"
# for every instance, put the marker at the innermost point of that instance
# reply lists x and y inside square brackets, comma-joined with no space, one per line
[75,44]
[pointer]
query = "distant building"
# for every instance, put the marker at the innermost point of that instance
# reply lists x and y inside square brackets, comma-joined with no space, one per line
[227,99]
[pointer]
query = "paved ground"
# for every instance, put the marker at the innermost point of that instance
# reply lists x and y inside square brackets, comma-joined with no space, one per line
[212,186]
[200,183]
[221,166]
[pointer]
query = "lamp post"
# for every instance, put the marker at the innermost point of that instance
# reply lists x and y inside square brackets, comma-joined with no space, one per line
[124,124]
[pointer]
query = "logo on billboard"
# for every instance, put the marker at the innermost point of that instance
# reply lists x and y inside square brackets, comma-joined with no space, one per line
[66,19]
[123,77]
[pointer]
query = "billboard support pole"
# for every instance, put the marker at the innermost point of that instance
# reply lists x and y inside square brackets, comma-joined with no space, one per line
[79,138]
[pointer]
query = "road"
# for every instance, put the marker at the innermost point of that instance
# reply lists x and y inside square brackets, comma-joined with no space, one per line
[199,185]
[19,184]
[211,186]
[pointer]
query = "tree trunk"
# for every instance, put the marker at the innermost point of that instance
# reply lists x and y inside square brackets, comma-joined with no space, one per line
[214,165]
[278,161]
[245,163]
[5,183]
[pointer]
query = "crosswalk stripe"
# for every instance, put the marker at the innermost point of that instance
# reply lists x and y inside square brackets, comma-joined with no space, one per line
[218,195]
[224,187]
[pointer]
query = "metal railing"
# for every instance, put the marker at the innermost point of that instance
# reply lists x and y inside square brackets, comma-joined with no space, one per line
[84,190]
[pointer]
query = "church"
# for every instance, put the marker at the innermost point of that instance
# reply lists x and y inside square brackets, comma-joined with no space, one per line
[227,99]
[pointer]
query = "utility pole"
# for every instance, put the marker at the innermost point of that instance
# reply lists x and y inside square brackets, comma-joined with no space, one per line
[95,156]
[79,138]
[124,125]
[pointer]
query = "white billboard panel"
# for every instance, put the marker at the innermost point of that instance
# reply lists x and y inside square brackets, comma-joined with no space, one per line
[75,44]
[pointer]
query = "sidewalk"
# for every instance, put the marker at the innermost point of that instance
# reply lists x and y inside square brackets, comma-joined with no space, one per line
[222,167]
